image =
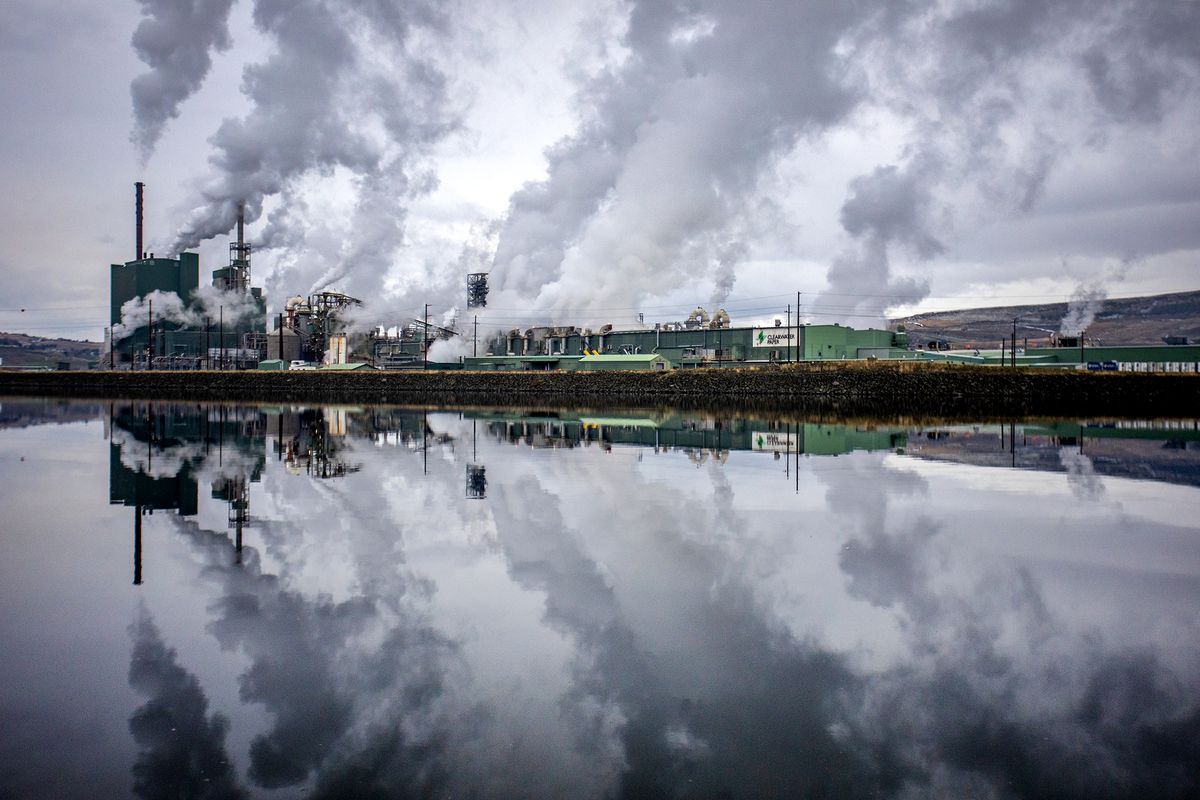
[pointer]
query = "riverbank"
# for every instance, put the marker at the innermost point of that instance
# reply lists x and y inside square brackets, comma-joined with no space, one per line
[847,387]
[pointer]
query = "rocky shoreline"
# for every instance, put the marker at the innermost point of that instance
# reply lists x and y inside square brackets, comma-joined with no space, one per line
[848,388]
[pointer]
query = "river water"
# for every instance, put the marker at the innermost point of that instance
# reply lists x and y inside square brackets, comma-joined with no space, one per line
[235,601]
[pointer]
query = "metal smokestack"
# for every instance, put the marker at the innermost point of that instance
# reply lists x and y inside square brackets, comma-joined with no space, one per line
[241,226]
[137,191]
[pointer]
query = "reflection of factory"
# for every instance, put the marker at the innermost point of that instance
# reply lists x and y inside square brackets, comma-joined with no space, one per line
[310,442]
[1160,450]
[687,433]
[189,338]
[157,450]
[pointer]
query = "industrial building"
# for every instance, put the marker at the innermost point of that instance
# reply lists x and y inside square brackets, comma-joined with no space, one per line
[699,341]
[312,329]
[205,341]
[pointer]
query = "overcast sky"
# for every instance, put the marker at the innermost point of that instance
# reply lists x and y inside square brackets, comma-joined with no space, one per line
[602,159]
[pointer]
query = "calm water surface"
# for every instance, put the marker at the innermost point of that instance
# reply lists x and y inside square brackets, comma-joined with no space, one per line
[218,602]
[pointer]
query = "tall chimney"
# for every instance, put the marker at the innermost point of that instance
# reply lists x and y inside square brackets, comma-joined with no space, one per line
[138,187]
[241,226]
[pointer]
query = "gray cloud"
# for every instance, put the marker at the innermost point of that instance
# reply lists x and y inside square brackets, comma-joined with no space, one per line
[999,93]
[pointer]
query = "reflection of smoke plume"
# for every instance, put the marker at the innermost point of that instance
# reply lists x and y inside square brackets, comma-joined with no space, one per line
[182,749]
[174,40]
[345,681]
[1082,309]
[208,305]
[1081,475]
[341,90]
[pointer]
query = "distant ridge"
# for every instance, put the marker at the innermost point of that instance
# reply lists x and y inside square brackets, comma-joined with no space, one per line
[1121,321]
[23,350]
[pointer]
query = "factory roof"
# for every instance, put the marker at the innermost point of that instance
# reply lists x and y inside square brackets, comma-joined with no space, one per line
[610,359]
[355,365]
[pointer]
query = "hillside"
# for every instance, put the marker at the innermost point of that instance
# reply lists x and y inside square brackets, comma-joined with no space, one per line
[1124,321]
[23,350]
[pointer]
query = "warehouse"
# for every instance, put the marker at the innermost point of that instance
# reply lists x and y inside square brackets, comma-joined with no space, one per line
[697,342]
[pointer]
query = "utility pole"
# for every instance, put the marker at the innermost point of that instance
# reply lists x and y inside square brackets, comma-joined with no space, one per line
[1014,343]
[222,335]
[788,357]
[207,331]
[475,343]
[150,336]
[425,339]
[112,353]
[797,348]
[281,355]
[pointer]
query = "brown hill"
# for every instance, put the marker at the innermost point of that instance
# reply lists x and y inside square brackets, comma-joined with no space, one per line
[1122,321]
[23,350]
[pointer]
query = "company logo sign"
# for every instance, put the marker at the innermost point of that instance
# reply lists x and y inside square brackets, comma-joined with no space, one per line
[775,337]
[774,441]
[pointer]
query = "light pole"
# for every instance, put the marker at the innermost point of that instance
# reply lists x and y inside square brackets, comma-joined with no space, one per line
[1014,343]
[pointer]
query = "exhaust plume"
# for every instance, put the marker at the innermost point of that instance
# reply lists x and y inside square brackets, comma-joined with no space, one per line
[1082,309]
[345,96]
[207,305]
[679,139]
[647,194]
[175,40]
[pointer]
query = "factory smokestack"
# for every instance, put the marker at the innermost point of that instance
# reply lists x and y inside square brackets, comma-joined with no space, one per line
[137,190]
[241,225]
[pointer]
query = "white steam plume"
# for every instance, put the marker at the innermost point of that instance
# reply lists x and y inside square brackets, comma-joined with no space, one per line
[676,143]
[207,305]
[175,39]
[345,93]
[1082,309]
[450,350]
[1088,298]
[645,197]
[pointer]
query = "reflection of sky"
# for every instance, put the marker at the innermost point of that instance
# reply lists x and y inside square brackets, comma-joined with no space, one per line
[616,622]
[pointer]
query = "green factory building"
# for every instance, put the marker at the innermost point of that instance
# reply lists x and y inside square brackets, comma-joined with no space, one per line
[680,346]
[174,344]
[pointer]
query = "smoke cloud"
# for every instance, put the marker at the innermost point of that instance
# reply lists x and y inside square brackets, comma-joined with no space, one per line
[175,39]
[207,305]
[344,95]
[645,196]
[682,132]
[1082,309]
[676,141]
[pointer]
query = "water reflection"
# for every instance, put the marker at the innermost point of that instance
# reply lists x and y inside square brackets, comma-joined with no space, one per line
[182,749]
[390,602]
